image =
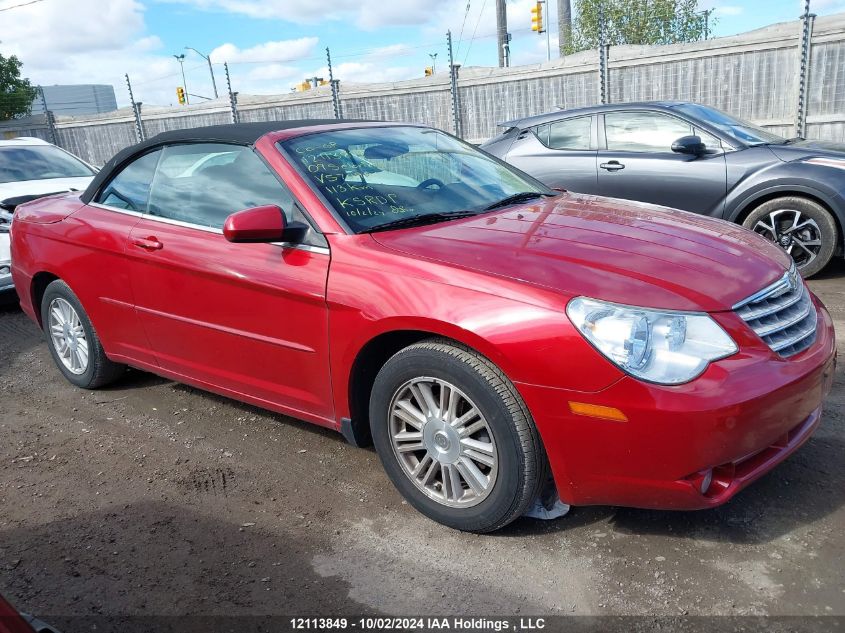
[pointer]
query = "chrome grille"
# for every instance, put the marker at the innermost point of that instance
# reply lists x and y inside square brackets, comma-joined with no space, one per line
[782,314]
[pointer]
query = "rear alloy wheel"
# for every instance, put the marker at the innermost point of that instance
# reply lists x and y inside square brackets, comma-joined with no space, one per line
[801,227]
[72,340]
[455,437]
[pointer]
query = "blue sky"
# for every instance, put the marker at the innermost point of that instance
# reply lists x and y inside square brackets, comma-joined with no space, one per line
[273,44]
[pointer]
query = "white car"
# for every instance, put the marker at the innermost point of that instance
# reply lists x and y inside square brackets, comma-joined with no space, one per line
[31,168]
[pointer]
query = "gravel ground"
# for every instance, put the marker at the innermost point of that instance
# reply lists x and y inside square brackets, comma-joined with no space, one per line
[153,498]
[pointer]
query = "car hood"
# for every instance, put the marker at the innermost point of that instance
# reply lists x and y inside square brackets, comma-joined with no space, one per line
[42,187]
[615,250]
[808,147]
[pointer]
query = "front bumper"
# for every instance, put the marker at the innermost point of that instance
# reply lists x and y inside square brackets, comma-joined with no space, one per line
[6,282]
[742,417]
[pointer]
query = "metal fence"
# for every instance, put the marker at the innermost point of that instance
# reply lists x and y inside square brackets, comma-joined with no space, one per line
[784,77]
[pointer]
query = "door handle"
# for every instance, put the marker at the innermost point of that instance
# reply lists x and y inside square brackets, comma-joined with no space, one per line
[150,243]
[613,165]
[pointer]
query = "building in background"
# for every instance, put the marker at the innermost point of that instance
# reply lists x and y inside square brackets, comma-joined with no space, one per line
[76,99]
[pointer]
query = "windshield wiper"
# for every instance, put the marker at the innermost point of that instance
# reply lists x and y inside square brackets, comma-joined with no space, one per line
[522,196]
[419,220]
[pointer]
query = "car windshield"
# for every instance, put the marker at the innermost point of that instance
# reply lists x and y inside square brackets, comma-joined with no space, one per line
[39,162]
[744,132]
[374,177]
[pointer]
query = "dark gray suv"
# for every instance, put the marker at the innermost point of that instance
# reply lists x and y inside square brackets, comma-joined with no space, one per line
[691,157]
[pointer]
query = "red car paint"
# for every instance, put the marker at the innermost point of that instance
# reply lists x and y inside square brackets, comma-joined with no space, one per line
[11,621]
[282,328]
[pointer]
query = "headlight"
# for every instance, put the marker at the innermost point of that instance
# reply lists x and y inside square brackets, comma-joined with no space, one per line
[663,347]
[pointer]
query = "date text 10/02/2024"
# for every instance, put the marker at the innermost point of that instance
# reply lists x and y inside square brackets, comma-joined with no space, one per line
[418,624]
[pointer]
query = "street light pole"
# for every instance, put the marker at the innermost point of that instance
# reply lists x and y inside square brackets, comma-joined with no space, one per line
[181,60]
[210,69]
[433,62]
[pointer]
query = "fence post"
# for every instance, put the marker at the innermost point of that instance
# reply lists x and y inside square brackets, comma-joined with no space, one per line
[603,49]
[807,20]
[233,100]
[136,110]
[453,87]
[48,116]
[338,112]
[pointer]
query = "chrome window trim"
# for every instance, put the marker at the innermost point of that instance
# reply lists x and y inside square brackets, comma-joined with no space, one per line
[98,205]
[321,250]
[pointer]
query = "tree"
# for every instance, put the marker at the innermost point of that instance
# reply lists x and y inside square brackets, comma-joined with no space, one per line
[637,22]
[16,94]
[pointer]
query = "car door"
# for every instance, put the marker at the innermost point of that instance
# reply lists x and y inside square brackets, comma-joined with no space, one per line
[635,161]
[247,318]
[101,271]
[561,154]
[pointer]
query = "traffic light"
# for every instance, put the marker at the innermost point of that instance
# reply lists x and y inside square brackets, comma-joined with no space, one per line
[429,71]
[180,95]
[537,18]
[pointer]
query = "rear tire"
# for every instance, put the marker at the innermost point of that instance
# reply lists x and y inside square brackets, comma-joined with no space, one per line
[73,341]
[811,245]
[479,459]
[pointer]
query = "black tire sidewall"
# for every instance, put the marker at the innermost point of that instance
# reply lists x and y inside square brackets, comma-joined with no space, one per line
[59,289]
[511,467]
[824,220]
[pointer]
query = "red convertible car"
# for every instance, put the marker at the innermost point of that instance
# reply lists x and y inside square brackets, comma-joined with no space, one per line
[489,335]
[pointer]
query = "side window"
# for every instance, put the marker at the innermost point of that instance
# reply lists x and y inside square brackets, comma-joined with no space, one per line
[130,189]
[542,133]
[710,141]
[570,134]
[643,131]
[204,183]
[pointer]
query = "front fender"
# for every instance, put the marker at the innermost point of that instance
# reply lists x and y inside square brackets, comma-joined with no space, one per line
[523,329]
[825,184]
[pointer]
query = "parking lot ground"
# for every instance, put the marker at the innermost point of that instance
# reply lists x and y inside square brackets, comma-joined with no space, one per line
[152,498]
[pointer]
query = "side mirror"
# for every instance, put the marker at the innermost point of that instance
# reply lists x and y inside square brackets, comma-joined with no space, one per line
[262,224]
[689,145]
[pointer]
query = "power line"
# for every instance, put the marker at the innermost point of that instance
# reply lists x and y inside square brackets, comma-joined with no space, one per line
[474,31]
[23,4]
[463,24]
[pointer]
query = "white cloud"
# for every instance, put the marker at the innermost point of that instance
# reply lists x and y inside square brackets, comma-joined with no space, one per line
[728,10]
[365,14]
[86,41]
[279,51]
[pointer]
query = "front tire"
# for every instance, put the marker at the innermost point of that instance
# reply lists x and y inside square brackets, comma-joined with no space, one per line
[73,341]
[455,437]
[801,227]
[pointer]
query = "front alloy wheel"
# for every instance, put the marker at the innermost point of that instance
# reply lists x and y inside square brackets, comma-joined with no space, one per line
[443,442]
[802,228]
[455,437]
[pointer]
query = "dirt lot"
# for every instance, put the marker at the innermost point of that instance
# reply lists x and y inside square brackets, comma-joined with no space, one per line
[154,498]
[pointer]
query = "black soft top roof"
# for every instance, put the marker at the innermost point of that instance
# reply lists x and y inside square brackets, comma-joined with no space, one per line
[237,133]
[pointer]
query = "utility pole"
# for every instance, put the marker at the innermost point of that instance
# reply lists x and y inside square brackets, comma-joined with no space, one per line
[564,24]
[181,60]
[210,69]
[502,33]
